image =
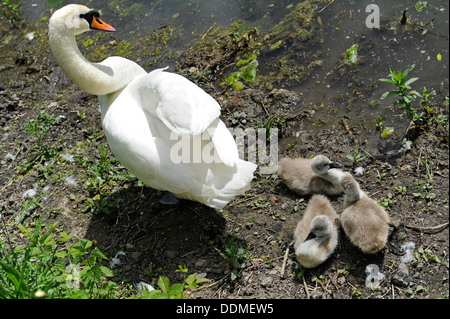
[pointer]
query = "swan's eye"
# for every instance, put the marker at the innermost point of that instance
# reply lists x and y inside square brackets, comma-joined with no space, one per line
[89,17]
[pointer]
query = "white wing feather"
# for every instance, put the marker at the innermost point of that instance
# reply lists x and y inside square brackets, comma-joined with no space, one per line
[180,104]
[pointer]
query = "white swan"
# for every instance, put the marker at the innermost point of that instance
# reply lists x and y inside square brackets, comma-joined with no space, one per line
[148,118]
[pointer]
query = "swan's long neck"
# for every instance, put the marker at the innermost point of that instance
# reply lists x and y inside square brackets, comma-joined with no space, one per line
[103,78]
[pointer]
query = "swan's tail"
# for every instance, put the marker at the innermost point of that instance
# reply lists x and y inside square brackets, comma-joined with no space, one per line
[225,183]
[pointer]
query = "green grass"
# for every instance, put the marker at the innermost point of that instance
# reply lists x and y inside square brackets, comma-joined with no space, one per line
[49,264]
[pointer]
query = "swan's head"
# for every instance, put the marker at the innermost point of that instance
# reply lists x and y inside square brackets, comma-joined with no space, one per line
[75,19]
[351,187]
[321,227]
[321,164]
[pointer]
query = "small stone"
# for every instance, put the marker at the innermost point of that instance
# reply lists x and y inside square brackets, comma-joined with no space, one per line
[200,263]
[272,200]
[53,105]
[406,168]
[402,277]
[266,282]
[135,255]
[395,222]
[275,271]
[171,254]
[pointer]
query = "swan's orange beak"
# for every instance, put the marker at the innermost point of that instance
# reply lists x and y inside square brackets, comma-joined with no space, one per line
[100,25]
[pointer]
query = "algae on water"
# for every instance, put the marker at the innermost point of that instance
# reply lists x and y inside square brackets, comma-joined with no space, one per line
[352,54]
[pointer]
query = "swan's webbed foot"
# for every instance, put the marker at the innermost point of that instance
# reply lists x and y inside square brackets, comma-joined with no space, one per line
[169,199]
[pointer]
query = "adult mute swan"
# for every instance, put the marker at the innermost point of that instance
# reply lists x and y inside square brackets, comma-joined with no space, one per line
[163,128]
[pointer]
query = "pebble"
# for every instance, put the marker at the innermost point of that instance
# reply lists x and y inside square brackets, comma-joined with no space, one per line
[200,263]
[135,255]
[171,254]
[402,277]
[266,282]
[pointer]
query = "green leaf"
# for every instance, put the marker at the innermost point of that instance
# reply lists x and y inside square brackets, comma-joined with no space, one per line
[61,254]
[387,80]
[411,80]
[202,281]
[43,238]
[408,98]
[176,291]
[407,71]
[387,132]
[392,71]
[15,277]
[233,77]
[389,94]
[106,271]
[23,229]
[164,284]
[156,294]
[190,280]
[97,253]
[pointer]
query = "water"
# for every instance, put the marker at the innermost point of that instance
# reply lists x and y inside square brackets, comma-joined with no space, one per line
[342,24]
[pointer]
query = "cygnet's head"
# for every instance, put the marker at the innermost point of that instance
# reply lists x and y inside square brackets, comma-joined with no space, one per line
[351,187]
[321,164]
[75,19]
[320,227]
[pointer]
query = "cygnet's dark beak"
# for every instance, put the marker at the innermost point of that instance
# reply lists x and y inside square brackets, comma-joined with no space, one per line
[310,236]
[336,165]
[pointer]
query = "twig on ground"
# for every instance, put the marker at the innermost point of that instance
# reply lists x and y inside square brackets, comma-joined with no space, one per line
[426,229]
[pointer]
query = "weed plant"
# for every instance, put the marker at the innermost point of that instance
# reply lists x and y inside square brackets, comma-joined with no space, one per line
[175,291]
[42,153]
[50,265]
[424,116]
[235,254]
[355,157]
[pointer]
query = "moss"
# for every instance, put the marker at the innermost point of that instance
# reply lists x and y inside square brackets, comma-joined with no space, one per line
[125,9]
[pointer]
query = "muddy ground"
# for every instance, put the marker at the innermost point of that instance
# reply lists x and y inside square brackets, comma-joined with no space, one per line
[156,239]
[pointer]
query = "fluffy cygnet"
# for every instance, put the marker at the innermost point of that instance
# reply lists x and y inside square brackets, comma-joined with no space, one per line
[311,176]
[316,235]
[364,221]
